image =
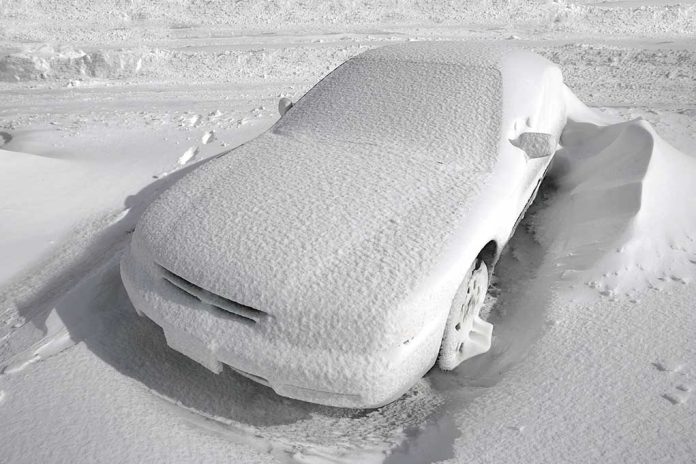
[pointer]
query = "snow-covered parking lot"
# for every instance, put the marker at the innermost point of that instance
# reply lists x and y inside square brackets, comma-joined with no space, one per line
[103,106]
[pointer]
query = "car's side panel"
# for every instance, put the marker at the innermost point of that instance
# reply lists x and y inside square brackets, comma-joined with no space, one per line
[536,86]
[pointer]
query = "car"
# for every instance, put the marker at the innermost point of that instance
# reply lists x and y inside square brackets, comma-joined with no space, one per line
[340,255]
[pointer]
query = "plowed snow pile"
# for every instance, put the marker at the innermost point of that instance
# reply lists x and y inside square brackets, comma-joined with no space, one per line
[46,61]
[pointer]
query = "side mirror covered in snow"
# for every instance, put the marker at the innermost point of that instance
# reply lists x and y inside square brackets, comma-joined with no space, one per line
[284,104]
[536,144]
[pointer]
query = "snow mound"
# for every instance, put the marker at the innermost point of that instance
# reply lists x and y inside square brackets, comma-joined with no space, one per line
[624,218]
[188,155]
[208,137]
[49,62]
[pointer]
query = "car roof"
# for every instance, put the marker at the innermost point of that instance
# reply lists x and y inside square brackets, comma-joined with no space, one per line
[480,54]
[420,107]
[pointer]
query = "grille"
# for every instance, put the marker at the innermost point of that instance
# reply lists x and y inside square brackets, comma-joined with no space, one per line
[212,300]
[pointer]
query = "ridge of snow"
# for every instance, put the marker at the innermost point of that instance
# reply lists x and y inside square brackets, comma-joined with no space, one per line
[624,219]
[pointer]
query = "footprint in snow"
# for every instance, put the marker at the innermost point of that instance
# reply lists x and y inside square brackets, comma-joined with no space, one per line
[677,397]
[668,366]
[5,137]
[682,391]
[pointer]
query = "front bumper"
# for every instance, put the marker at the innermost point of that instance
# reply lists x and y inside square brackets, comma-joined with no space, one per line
[324,376]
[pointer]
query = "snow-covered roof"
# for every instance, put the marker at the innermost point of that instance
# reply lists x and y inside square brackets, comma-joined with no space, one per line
[444,52]
[438,110]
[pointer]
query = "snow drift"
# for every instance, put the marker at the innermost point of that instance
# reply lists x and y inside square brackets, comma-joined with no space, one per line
[624,220]
[49,62]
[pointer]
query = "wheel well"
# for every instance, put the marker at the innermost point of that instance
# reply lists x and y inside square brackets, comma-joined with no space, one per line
[489,254]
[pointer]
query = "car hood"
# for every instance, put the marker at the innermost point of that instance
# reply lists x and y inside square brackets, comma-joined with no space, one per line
[342,232]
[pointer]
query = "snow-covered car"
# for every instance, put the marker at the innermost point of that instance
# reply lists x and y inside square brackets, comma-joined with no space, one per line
[340,255]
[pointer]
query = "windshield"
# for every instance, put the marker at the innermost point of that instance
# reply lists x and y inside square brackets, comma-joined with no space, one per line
[441,111]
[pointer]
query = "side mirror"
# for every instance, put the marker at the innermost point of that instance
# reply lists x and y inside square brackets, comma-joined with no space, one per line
[536,144]
[284,104]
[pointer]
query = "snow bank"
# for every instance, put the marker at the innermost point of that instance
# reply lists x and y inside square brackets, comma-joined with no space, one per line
[624,220]
[97,19]
[48,62]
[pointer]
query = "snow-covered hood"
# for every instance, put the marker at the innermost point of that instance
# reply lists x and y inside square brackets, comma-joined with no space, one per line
[273,227]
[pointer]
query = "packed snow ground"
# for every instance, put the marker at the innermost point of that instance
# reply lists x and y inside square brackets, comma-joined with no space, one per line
[593,358]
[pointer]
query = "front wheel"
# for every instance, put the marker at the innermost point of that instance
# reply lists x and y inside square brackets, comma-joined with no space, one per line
[466,334]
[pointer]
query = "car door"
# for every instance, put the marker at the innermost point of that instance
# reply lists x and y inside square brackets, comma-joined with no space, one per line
[538,140]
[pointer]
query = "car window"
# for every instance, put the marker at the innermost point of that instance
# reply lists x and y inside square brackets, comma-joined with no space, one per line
[441,111]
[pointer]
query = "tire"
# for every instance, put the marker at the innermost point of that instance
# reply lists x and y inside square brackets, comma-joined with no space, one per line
[466,334]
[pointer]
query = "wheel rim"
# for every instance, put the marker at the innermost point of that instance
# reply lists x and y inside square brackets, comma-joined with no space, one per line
[466,333]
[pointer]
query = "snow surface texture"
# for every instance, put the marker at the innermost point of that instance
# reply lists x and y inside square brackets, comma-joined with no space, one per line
[606,379]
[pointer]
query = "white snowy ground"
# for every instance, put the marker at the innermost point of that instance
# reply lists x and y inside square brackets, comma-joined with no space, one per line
[594,357]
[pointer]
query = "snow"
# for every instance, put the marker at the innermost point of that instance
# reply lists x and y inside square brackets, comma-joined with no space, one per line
[573,375]
[624,210]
